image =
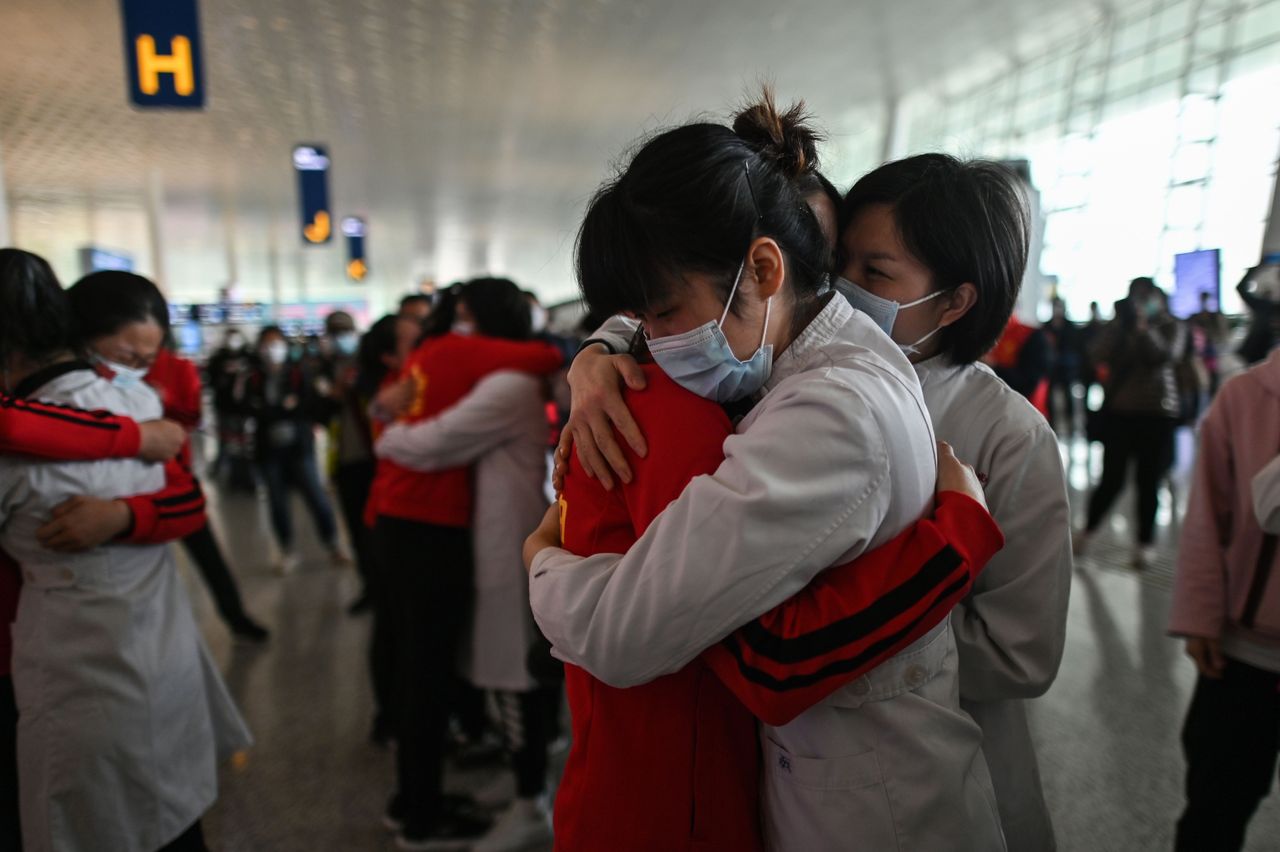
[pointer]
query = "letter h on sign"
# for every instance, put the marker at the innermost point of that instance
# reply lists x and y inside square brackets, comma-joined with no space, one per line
[158,78]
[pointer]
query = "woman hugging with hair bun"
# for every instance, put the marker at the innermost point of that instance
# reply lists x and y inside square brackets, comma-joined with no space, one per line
[766,433]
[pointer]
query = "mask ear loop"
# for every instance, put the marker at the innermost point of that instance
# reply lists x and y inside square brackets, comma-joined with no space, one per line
[924,299]
[733,291]
[768,305]
[768,309]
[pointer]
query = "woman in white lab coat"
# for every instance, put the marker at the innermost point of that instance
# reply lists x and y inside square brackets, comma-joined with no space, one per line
[932,248]
[706,239]
[121,711]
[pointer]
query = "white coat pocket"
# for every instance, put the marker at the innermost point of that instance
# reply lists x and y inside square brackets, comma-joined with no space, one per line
[811,790]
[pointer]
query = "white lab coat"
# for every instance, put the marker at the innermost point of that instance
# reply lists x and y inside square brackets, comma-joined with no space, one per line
[1012,627]
[121,710]
[501,428]
[837,457]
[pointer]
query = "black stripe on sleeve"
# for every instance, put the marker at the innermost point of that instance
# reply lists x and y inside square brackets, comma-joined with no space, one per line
[169,516]
[859,625]
[838,667]
[78,416]
[194,494]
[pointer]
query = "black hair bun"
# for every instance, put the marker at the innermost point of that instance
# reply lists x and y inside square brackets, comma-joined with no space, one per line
[787,139]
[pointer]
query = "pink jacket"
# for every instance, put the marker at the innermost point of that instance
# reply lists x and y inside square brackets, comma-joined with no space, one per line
[1221,539]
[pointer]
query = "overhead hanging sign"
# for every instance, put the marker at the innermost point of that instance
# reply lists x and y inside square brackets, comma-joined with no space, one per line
[96,259]
[312,165]
[162,53]
[353,228]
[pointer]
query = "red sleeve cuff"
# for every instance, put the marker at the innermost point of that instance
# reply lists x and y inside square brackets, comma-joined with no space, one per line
[128,440]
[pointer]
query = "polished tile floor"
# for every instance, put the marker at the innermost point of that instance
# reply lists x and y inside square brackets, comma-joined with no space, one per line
[1107,731]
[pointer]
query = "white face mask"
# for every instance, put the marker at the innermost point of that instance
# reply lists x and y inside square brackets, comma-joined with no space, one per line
[538,318]
[276,352]
[465,328]
[884,312]
[122,376]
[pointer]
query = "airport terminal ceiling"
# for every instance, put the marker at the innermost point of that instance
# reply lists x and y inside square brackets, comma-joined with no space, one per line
[469,134]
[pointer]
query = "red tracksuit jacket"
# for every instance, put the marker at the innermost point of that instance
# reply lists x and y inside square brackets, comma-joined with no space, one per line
[444,370]
[673,764]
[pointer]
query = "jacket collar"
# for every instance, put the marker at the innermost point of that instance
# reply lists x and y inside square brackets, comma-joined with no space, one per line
[43,376]
[937,369]
[816,335]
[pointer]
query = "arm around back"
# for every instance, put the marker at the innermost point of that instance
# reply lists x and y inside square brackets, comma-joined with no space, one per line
[1011,630]
[855,616]
[488,416]
[30,427]
[804,485]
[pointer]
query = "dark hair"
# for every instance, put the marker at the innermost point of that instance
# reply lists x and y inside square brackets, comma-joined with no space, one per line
[415,299]
[104,302]
[378,341]
[338,322]
[692,199]
[1141,283]
[499,307]
[965,220]
[35,320]
[445,306]
[816,183]
[269,329]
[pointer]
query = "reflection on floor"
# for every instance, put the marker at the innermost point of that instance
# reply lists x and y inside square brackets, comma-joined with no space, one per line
[1107,731]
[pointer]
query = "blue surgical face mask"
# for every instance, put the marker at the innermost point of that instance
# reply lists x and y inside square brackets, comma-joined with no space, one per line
[884,312]
[347,342]
[702,361]
[122,376]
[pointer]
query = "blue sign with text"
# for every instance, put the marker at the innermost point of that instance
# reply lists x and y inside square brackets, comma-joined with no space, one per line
[312,164]
[162,53]
[353,229]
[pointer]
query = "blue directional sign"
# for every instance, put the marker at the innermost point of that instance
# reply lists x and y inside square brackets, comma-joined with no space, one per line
[162,53]
[312,164]
[353,228]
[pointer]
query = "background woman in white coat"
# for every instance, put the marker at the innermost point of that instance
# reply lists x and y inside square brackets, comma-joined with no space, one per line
[933,248]
[707,240]
[500,429]
[121,711]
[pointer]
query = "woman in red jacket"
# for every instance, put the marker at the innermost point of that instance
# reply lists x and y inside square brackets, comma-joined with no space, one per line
[123,320]
[673,764]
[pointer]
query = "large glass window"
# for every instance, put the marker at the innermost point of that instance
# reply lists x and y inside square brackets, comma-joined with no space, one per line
[1153,133]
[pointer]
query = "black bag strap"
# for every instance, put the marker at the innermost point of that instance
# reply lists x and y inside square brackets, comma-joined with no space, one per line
[1261,575]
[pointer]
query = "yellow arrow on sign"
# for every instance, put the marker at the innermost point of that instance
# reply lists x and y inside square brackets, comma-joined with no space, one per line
[319,230]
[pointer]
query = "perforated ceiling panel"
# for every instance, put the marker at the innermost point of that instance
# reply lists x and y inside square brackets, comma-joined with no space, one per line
[468,132]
